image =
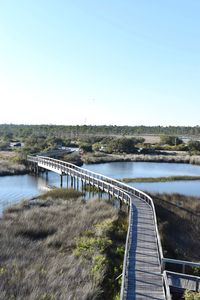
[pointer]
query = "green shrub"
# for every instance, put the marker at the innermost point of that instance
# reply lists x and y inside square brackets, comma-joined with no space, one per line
[191,295]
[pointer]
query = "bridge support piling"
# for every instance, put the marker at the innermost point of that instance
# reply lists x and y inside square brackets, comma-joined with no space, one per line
[89,187]
[197,285]
[74,187]
[120,204]
[77,184]
[71,182]
[93,191]
[67,180]
[36,169]
[61,180]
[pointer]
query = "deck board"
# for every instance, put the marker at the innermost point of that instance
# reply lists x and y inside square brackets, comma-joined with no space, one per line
[144,279]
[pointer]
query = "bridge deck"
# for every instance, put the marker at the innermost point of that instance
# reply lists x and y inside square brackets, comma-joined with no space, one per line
[144,279]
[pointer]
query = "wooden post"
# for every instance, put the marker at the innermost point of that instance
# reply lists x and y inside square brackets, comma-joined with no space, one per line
[120,204]
[93,192]
[71,181]
[183,269]
[82,185]
[77,184]
[162,266]
[89,191]
[197,285]
[67,180]
[74,183]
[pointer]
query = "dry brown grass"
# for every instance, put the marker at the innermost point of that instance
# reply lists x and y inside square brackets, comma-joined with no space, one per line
[38,257]
[92,158]
[8,167]
[11,164]
[7,155]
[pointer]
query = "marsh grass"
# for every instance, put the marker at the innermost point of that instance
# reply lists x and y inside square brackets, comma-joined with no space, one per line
[188,295]
[179,225]
[160,179]
[11,163]
[58,246]
[9,167]
[64,194]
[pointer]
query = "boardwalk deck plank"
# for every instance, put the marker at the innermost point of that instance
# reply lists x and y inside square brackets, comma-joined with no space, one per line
[144,279]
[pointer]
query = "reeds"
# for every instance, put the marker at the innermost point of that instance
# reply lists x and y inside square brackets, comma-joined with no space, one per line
[179,225]
[8,167]
[160,179]
[59,246]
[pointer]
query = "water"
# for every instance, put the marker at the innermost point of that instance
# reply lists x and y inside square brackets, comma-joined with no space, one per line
[143,169]
[15,188]
[148,169]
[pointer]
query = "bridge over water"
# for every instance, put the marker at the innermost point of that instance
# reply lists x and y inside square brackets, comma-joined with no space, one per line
[144,275]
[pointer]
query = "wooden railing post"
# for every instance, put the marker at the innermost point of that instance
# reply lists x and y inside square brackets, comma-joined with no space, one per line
[197,285]
[183,268]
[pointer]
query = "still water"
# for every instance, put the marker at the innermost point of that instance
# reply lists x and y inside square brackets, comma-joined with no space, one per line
[148,169]
[15,188]
[143,169]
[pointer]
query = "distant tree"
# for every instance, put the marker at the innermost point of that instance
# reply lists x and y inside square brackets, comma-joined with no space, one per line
[170,140]
[4,145]
[194,145]
[126,145]
[86,147]
[96,146]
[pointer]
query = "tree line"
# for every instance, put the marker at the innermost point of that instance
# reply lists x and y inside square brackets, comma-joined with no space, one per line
[23,131]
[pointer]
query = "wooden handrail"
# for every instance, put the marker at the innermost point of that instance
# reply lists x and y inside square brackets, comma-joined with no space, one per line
[187,277]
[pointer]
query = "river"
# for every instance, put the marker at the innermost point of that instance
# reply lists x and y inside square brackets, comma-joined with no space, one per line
[15,188]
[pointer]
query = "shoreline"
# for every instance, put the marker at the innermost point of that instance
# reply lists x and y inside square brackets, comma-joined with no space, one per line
[14,173]
[97,159]
[160,179]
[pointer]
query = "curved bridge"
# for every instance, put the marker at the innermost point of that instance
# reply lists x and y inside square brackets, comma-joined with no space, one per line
[143,276]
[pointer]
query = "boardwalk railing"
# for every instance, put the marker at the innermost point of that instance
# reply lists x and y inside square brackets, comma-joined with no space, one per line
[116,188]
[183,281]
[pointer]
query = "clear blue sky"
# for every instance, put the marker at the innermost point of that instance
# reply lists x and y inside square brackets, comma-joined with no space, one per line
[100,62]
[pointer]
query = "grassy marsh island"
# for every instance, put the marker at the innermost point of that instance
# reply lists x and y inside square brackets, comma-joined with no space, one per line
[160,179]
[10,164]
[58,246]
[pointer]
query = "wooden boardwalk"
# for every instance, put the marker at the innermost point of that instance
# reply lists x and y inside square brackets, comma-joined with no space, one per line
[143,277]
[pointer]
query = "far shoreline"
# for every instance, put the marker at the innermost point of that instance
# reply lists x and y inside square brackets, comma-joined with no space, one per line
[100,158]
[107,158]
